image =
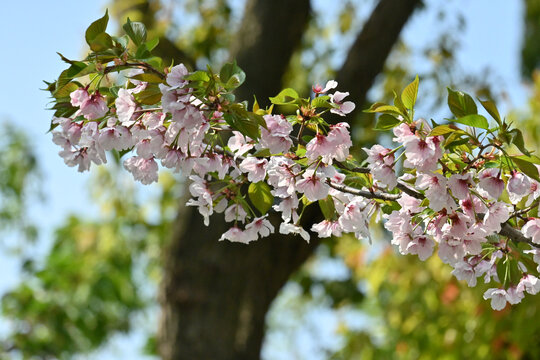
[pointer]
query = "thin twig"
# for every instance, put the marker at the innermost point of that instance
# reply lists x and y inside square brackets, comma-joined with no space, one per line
[146,66]
[363,193]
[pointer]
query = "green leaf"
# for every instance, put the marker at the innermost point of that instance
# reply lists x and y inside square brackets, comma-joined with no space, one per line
[386,122]
[199,75]
[383,108]
[531,158]
[321,102]
[286,96]
[516,138]
[65,90]
[149,96]
[136,31]
[409,94]
[151,44]
[246,122]
[477,121]
[231,76]
[260,195]
[399,104]
[96,29]
[442,129]
[461,104]
[491,108]
[526,167]
[101,42]
[148,77]
[327,207]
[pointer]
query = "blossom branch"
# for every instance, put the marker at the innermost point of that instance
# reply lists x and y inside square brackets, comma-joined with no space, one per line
[364,193]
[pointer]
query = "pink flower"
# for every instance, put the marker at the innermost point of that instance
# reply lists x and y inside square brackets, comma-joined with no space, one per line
[318,89]
[422,154]
[402,132]
[354,218]
[436,191]
[175,78]
[420,245]
[125,106]
[282,175]
[238,144]
[235,212]
[143,170]
[79,97]
[514,295]
[344,107]
[322,146]
[498,298]
[261,226]
[235,234]
[94,107]
[327,228]
[409,204]
[497,214]
[532,230]
[313,185]
[341,139]
[255,168]
[472,206]
[518,186]
[287,207]
[276,136]
[490,185]
[463,270]
[459,184]
[288,228]
[530,284]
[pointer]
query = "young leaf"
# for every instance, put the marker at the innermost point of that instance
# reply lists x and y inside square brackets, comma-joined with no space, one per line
[386,122]
[327,207]
[260,195]
[321,102]
[409,94]
[477,121]
[96,29]
[285,96]
[461,104]
[148,77]
[491,108]
[442,129]
[199,75]
[526,167]
[232,76]
[136,31]
[384,108]
[516,138]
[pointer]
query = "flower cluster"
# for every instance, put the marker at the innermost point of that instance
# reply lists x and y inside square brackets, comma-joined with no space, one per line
[442,188]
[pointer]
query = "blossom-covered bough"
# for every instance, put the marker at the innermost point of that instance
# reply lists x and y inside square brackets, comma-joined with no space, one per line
[461,189]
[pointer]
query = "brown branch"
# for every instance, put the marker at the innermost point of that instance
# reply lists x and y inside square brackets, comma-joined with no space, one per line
[514,235]
[363,193]
[145,66]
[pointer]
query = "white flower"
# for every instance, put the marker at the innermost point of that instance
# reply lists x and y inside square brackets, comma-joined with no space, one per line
[288,228]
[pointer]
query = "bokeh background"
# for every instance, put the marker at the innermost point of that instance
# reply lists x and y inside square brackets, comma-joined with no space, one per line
[82,255]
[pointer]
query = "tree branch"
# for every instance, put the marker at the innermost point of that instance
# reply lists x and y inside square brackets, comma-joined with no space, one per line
[363,193]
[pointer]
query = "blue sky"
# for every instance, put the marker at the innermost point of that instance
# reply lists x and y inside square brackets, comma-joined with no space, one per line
[32,32]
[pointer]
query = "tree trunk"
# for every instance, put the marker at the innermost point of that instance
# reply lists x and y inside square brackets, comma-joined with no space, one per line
[215,295]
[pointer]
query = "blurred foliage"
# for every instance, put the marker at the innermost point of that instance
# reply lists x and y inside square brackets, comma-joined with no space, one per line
[97,275]
[101,272]
[530,48]
[18,182]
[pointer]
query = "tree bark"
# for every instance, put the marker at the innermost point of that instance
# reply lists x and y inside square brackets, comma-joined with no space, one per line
[215,295]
